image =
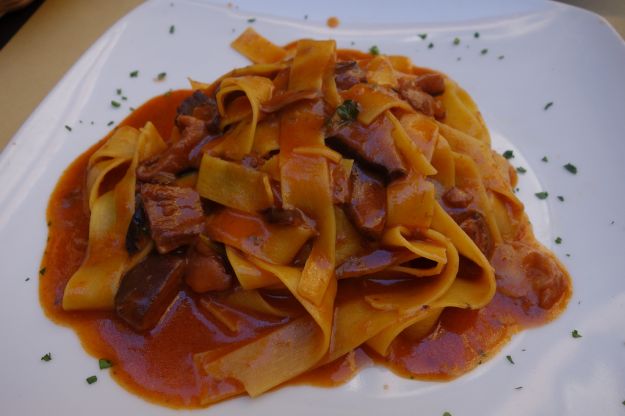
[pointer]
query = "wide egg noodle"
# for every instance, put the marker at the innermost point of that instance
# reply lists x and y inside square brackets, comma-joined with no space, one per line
[94,285]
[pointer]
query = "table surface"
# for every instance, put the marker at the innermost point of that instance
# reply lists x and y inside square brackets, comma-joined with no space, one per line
[61,30]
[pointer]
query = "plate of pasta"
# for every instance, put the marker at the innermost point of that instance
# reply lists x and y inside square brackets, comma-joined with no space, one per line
[270,213]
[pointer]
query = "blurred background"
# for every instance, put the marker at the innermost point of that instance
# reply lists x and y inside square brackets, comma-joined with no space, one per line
[35,39]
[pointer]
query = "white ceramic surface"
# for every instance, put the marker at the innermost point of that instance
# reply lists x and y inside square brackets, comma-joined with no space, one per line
[552,53]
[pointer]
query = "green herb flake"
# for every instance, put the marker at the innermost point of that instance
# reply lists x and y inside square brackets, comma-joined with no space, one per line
[476,35]
[110,123]
[508,154]
[484,51]
[374,50]
[509,358]
[549,104]
[544,159]
[456,41]
[42,271]
[571,168]
[124,98]
[423,36]
[68,128]
[115,104]
[446,414]
[521,170]
[575,334]
[252,20]
[27,279]
[500,57]
[348,111]
[623,402]
[558,240]
[134,74]
[161,76]
[119,91]
[560,198]
[172,29]
[104,363]
[542,195]
[92,379]
[431,45]
[305,17]
[47,357]
[518,388]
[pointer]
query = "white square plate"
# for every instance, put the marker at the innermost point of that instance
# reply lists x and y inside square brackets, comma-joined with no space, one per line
[551,53]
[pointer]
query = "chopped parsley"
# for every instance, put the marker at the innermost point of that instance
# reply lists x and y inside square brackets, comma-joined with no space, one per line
[119,91]
[521,169]
[68,128]
[374,50]
[47,357]
[92,379]
[431,45]
[172,29]
[27,279]
[348,111]
[542,195]
[518,388]
[508,154]
[544,159]
[456,41]
[500,57]
[110,123]
[252,20]
[575,334]
[549,104]
[446,414]
[476,35]
[134,74]
[558,240]
[305,17]
[42,271]
[115,104]
[569,166]
[560,198]
[167,94]
[124,98]
[484,51]
[161,76]
[509,358]
[423,36]
[104,363]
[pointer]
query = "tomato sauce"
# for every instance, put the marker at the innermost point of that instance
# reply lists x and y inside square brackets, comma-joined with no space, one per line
[158,365]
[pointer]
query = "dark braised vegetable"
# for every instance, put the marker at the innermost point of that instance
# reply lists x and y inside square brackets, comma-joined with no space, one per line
[147,290]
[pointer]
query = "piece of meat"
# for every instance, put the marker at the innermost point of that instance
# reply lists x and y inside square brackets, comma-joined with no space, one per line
[367,204]
[179,156]
[207,269]
[457,198]
[147,290]
[175,214]
[373,145]
[419,91]
[339,183]
[473,223]
[347,74]
[282,216]
[202,107]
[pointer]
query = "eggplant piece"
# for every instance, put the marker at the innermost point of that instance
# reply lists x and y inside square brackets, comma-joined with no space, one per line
[371,263]
[207,270]
[148,289]
[367,203]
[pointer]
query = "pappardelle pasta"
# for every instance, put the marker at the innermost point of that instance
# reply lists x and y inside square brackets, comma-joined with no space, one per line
[320,208]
